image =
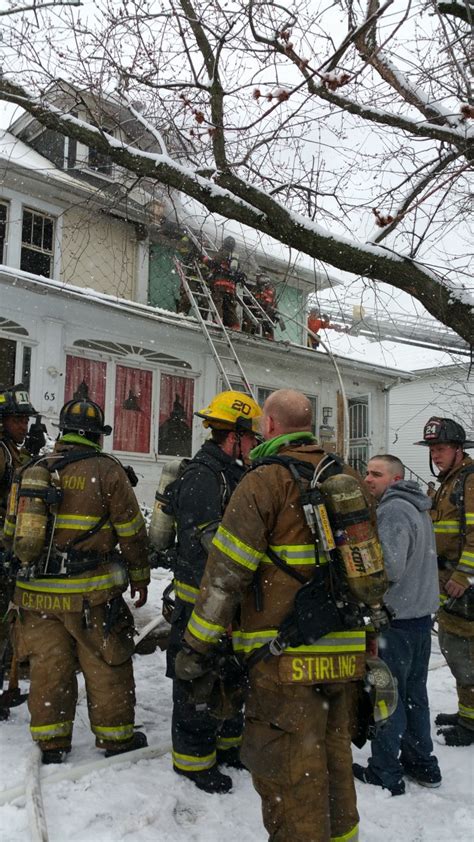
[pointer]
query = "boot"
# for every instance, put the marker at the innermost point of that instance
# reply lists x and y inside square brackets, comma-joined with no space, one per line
[458,735]
[4,713]
[230,757]
[209,780]
[366,775]
[54,755]
[138,740]
[447,719]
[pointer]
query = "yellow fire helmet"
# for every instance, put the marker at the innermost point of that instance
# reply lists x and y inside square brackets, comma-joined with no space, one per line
[232,411]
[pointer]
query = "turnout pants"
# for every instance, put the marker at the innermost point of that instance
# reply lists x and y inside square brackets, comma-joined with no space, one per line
[57,646]
[226,306]
[199,740]
[297,747]
[459,653]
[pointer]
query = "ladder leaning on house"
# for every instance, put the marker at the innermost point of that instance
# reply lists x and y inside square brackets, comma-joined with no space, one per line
[201,300]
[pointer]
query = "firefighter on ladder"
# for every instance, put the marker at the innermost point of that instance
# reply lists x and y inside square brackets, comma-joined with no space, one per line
[66,514]
[224,277]
[265,294]
[190,256]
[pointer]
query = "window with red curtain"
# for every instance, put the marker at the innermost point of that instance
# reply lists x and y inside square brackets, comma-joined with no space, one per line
[176,416]
[132,415]
[85,379]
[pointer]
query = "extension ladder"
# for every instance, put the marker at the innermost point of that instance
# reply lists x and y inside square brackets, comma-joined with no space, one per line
[199,295]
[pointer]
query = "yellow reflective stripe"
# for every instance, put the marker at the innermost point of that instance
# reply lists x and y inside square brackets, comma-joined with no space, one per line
[446,527]
[295,555]
[185,592]
[129,527]
[469,517]
[346,641]
[235,549]
[138,573]
[224,743]
[192,762]
[443,598]
[112,579]
[79,522]
[352,835]
[49,732]
[117,733]
[9,527]
[465,711]
[207,632]
[466,560]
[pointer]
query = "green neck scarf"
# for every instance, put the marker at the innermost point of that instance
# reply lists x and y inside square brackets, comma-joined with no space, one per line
[268,448]
[72,438]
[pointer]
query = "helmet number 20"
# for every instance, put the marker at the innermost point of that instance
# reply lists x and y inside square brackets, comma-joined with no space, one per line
[242,407]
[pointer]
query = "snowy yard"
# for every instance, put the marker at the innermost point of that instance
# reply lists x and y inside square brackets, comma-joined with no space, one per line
[147,802]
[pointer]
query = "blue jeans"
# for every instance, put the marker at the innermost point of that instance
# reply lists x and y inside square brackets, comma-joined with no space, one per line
[404,743]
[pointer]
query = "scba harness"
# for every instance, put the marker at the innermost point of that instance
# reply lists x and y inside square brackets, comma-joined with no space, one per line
[323,604]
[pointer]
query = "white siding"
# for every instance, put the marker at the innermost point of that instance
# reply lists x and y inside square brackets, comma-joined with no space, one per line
[446,392]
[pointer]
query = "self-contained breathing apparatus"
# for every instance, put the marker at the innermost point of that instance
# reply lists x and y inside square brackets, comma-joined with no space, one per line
[350,586]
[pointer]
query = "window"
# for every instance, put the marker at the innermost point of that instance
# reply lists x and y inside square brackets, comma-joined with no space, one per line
[100,161]
[37,237]
[85,379]
[15,363]
[132,416]
[176,416]
[3,231]
[359,433]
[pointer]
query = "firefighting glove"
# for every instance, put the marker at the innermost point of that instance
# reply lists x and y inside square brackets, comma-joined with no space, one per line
[190,665]
[36,438]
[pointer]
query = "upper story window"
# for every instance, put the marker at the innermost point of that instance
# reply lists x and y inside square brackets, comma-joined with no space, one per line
[37,243]
[3,230]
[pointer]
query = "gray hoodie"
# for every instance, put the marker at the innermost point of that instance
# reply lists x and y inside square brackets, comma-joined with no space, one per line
[409,549]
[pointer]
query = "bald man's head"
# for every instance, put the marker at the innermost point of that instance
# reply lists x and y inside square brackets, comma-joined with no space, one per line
[286,411]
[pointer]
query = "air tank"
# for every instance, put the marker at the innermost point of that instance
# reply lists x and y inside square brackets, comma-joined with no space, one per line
[32,515]
[162,526]
[356,539]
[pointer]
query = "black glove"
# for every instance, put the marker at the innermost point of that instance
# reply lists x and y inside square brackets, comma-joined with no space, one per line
[190,664]
[36,438]
[163,558]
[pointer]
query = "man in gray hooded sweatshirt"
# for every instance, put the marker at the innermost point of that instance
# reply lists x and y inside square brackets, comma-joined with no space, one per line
[404,745]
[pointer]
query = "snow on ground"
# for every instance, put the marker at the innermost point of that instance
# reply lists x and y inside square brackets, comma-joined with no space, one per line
[147,802]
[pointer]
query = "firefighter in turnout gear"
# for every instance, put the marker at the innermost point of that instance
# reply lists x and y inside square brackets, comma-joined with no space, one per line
[68,606]
[17,446]
[224,277]
[453,519]
[198,499]
[296,741]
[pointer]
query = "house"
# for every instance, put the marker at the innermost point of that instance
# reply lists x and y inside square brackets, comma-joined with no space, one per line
[88,293]
[446,391]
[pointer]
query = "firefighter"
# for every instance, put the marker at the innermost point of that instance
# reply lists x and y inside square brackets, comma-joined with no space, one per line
[17,446]
[68,605]
[198,499]
[453,518]
[316,322]
[296,741]
[190,254]
[265,293]
[224,277]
